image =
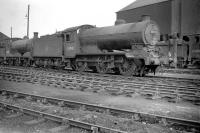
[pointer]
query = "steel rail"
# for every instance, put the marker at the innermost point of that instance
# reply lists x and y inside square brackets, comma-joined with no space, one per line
[60,77]
[161,85]
[162,88]
[110,75]
[60,119]
[188,92]
[110,110]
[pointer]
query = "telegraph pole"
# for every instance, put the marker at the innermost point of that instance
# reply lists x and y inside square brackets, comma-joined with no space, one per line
[176,26]
[11,32]
[28,21]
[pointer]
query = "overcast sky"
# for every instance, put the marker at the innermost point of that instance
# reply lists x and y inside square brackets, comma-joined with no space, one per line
[47,16]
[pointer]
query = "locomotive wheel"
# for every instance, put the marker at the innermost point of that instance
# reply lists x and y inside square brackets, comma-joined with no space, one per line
[81,66]
[93,68]
[73,65]
[102,66]
[127,68]
[17,63]
[116,70]
[142,72]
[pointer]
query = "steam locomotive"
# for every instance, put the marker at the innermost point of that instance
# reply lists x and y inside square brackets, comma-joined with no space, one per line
[127,49]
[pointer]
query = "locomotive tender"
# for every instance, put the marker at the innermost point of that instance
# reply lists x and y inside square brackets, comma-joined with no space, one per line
[127,49]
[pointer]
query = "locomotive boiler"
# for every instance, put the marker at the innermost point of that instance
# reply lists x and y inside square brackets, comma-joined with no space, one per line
[120,36]
[21,46]
[127,49]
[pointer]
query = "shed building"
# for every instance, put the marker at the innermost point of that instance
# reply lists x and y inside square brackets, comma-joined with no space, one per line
[172,16]
[180,16]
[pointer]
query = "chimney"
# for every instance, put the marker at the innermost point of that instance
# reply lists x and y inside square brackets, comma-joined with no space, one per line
[35,34]
[145,17]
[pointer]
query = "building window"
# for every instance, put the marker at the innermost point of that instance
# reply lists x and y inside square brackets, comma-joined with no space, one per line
[67,37]
[161,38]
[197,39]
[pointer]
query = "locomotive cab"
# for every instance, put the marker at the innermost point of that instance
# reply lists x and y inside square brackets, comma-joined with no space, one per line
[69,44]
[71,40]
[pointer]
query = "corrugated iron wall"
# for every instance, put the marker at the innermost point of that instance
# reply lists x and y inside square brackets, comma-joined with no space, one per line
[190,17]
[163,14]
[160,13]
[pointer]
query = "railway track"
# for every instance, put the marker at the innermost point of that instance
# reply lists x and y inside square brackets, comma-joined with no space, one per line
[70,122]
[171,90]
[133,115]
[109,76]
[182,71]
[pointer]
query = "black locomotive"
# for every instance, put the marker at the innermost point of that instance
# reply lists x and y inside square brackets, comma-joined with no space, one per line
[127,49]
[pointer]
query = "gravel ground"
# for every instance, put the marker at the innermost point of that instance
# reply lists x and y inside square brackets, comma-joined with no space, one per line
[136,103]
[16,125]
[109,121]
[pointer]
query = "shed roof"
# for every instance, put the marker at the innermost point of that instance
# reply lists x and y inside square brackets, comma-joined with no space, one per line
[3,36]
[141,3]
